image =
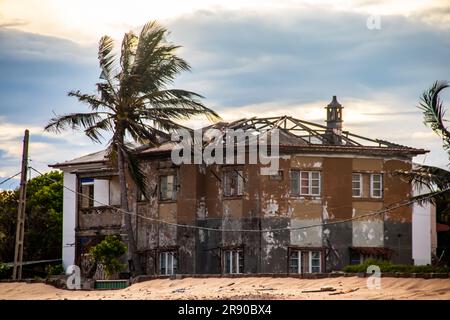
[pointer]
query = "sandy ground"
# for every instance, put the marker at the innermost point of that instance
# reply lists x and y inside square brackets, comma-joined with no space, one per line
[243,288]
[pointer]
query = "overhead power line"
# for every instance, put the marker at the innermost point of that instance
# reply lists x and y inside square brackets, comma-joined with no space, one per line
[12,177]
[392,207]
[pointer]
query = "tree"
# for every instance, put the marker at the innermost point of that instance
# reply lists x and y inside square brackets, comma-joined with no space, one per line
[133,101]
[437,180]
[8,219]
[107,253]
[43,224]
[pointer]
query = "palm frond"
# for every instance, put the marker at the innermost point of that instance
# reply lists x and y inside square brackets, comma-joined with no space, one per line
[74,121]
[434,112]
[179,104]
[142,133]
[106,58]
[155,65]
[94,132]
[108,95]
[164,72]
[433,178]
[129,46]
[93,101]
[432,197]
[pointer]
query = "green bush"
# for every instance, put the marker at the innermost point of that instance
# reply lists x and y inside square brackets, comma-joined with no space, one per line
[108,252]
[387,266]
[4,271]
[54,270]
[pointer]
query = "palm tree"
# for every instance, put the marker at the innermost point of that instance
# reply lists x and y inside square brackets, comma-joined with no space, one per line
[134,101]
[437,180]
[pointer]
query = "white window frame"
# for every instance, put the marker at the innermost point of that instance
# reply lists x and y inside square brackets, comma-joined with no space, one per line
[372,185]
[360,185]
[310,261]
[168,256]
[235,256]
[300,254]
[299,261]
[310,186]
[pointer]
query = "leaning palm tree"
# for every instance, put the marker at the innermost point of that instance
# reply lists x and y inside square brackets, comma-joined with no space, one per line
[435,179]
[134,104]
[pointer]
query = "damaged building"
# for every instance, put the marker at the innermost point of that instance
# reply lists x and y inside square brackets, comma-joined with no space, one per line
[316,213]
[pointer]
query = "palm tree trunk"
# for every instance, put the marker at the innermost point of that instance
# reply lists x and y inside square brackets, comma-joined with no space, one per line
[127,217]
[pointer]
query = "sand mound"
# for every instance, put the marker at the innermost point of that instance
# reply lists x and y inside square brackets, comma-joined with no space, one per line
[243,288]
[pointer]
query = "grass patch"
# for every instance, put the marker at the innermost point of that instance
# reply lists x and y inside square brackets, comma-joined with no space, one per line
[387,266]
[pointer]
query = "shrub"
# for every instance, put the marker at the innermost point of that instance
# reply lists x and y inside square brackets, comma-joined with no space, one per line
[54,270]
[387,266]
[5,271]
[108,252]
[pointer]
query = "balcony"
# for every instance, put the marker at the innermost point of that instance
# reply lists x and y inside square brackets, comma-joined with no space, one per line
[99,218]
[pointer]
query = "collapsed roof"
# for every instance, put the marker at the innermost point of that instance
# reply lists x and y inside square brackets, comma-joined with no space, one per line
[295,135]
[299,135]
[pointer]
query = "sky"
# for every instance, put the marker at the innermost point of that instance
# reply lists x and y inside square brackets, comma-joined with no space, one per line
[248,58]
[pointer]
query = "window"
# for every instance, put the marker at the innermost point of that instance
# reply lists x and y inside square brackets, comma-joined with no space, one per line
[87,192]
[168,187]
[357,185]
[294,263]
[167,263]
[301,261]
[376,185]
[233,181]
[356,257]
[315,261]
[233,261]
[361,255]
[305,183]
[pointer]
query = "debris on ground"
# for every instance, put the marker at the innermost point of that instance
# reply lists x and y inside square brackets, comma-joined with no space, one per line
[322,289]
[180,290]
[344,291]
[265,289]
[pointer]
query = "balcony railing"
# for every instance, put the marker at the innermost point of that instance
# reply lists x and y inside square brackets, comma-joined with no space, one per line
[99,217]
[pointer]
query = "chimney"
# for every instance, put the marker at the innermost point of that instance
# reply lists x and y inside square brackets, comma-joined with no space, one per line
[334,121]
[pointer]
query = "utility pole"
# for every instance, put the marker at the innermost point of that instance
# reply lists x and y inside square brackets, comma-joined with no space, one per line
[20,230]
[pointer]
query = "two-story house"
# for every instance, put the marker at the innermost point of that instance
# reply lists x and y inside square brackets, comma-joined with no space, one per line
[323,208]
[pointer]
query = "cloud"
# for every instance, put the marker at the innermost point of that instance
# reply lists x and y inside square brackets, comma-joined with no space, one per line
[87,20]
[305,56]
[37,72]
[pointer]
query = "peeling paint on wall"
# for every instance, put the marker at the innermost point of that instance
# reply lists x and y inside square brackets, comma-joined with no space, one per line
[368,233]
[325,215]
[271,208]
[306,237]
